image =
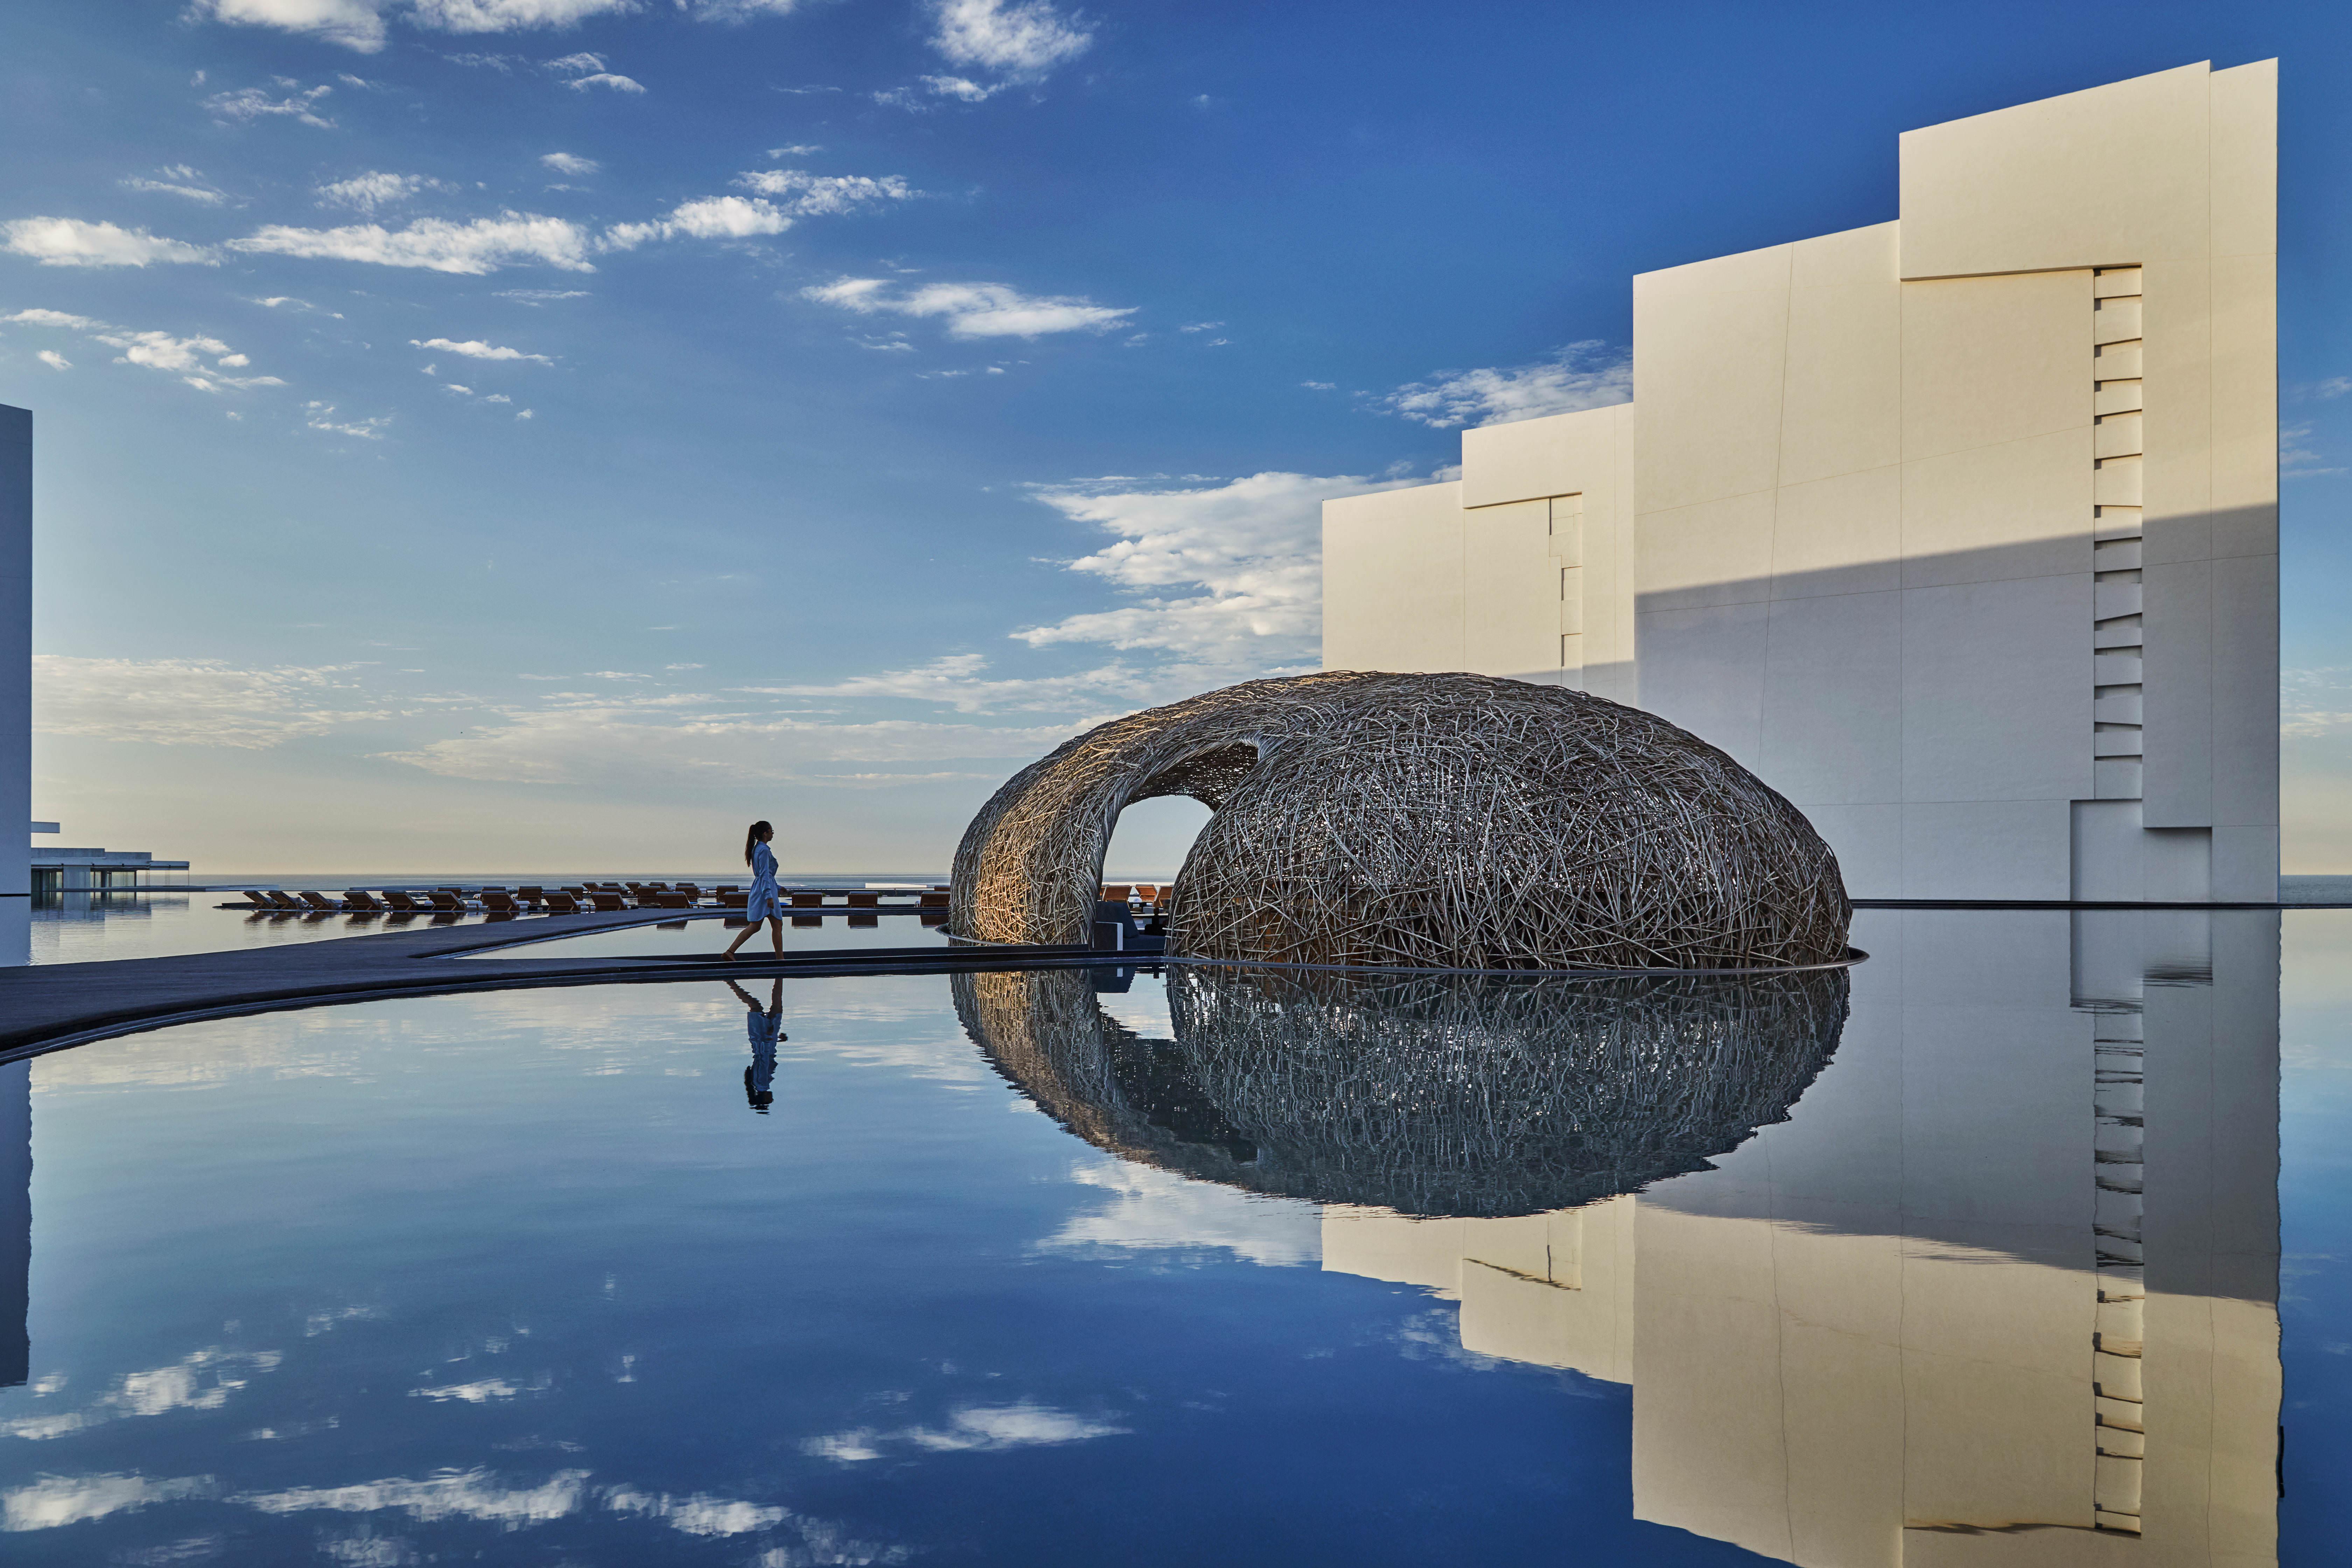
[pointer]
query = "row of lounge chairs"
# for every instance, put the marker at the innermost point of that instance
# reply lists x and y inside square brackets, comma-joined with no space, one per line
[605,896]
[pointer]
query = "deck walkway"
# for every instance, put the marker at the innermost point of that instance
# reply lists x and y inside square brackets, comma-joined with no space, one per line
[47,1007]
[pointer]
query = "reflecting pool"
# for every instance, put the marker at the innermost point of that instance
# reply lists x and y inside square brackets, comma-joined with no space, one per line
[1969,1255]
[82,928]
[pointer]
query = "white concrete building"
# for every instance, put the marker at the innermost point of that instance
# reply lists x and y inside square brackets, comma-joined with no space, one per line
[1960,530]
[15,679]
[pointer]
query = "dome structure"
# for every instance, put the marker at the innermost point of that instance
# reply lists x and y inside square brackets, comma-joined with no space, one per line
[1435,1095]
[1418,821]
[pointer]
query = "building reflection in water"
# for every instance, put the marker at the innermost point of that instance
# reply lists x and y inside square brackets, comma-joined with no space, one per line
[1997,1285]
[16,1220]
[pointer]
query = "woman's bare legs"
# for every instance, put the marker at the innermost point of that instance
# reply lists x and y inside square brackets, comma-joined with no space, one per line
[776,930]
[745,935]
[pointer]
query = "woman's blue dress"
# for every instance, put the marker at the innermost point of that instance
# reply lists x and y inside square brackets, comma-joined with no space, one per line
[764,902]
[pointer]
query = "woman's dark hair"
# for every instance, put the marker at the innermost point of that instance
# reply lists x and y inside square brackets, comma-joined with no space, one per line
[758,831]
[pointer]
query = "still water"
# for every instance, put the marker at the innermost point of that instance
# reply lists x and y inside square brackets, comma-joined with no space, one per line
[1971,1255]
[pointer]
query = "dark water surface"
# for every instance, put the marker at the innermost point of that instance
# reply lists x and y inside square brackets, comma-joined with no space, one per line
[1971,1256]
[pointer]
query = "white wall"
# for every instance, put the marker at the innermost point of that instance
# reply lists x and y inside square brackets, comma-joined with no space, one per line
[15,679]
[1960,531]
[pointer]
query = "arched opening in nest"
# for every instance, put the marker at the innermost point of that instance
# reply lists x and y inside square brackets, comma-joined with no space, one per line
[1151,838]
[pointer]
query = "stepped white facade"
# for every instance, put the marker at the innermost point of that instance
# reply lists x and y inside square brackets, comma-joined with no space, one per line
[1961,530]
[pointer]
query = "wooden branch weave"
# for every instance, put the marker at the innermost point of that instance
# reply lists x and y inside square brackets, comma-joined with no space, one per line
[1455,1094]
[1418,821]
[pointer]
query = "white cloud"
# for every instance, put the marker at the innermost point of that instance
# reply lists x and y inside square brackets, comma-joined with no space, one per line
[355,24]
[1159,1211]
[960,681]
[2297,460]
[697,1515]
[478,1392]
[2334,387]
[576,737]
[963,90]
[2315,703]
[799,151]
[542,296]
[275,301]
[474,348]
[54,360]
[588,71]
[978,1428]
[1023,38]
[743,10]
[361,24]
[1581,375]
[156,351]
[1227,576]
[973,309]
[203,1380]
[725,217]
[56,1500]
[482,246]
[571,164]
[71,242]
[451,1494]
[375,188]
[321,417]
[709,217]
[194,701]
[40,318]
[814,196]
[512,15]
[251,104]
[177,179]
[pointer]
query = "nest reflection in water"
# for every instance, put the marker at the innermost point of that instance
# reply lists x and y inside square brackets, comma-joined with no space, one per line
[1451,1095]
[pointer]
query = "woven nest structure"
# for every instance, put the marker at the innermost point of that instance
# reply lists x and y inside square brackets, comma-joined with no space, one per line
[1438,1095]
[1418,821]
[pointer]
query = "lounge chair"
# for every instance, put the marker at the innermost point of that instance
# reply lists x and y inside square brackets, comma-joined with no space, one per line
[608,903]
[673,902]
[499,901]
[864,900]
[805,900]
[283,904]
[445,902]
[531,895]
[259,899]
[403,902]
[933,901]
[319,901]
[560,903]
[691,890]
[358,901]
[730,900]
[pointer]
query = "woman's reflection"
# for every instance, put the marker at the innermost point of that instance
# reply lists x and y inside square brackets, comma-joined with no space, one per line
[766,1026]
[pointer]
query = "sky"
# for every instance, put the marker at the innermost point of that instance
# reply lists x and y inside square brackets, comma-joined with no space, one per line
[547,433]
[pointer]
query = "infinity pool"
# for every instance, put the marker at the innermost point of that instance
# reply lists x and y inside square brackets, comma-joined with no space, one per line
[1968,1256]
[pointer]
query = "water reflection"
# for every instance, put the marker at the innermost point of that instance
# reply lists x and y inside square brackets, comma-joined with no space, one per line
[1447,1095]
[16,1220]
[2002,1290]
[765,1026]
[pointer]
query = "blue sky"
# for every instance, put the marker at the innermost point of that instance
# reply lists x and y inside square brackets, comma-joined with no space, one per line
[521,434]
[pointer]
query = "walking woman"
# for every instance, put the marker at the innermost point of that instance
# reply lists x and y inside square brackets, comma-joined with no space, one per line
[764,903]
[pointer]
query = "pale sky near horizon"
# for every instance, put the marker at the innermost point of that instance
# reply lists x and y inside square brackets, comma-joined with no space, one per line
[545,434]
